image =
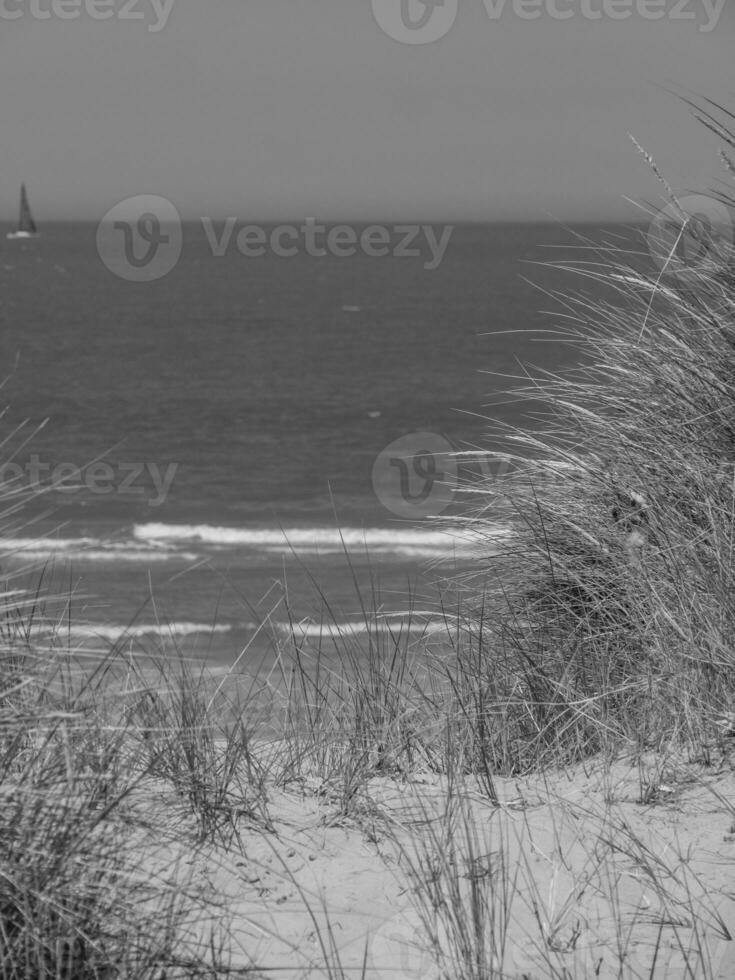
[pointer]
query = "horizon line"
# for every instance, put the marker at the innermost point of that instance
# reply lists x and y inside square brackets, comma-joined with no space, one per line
[521,220]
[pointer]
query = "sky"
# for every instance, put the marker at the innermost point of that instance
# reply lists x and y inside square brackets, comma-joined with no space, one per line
[282,109]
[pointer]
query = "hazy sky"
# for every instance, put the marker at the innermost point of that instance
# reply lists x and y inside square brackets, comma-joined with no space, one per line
[287,108]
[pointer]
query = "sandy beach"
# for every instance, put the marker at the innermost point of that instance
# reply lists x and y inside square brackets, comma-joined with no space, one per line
[620,870]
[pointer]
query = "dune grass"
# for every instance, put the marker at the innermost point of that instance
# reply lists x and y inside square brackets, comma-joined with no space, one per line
[617,614]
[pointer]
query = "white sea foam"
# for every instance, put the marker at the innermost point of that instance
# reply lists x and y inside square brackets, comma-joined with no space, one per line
[112,631]
[91,549]
[408,541]
[424,623]
[421,624]
[158,542]
[46,544]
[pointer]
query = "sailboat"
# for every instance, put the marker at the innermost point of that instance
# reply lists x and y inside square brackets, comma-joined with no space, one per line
[26,225]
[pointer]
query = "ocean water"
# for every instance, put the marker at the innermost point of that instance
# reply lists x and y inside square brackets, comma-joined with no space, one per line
[208,442]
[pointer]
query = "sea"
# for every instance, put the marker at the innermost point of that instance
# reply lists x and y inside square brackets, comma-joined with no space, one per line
[252,448]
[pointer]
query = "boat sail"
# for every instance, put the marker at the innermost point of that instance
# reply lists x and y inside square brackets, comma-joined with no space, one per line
[26,225]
